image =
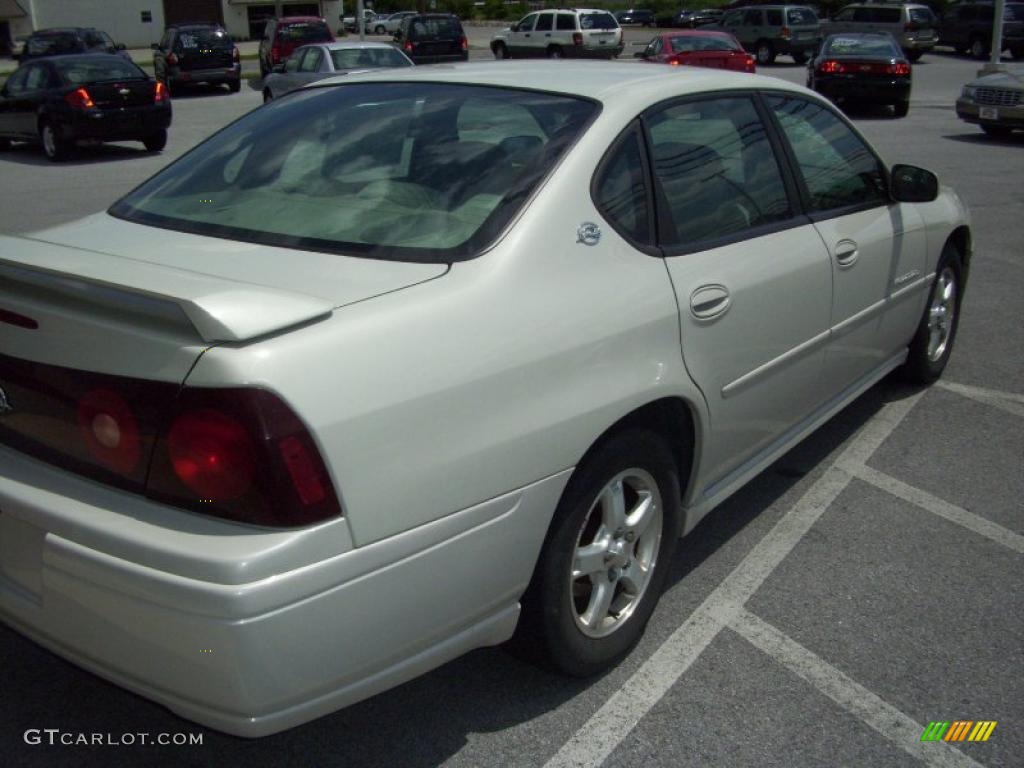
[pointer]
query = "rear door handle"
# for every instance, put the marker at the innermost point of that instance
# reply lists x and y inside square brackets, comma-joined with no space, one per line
[709,301]
[846,253]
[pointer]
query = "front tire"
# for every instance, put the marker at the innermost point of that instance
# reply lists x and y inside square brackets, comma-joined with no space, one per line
[765,52]
[379,30]
[268,96]
[933,343]
[500,51]
[606,557]
[54,145]
[800,58]
[155,142]
[235,85]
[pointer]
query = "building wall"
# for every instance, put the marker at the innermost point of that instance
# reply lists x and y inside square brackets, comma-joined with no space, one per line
[121,19]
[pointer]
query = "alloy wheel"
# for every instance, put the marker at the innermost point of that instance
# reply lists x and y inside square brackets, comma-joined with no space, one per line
[941,314]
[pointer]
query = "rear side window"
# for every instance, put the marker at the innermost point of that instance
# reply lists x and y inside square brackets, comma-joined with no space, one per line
[545,22]
[716,169]
[566,22]
[436,29]
[797,16]
[838,168]
[921,15]
[620,190]
[426,172]
[598,21]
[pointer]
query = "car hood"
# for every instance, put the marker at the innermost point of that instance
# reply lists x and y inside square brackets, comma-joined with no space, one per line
[1010,78]
[230,290]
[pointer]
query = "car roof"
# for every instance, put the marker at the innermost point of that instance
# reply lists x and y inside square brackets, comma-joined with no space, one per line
[89,58]
[196,25]
[616,84]
[62,30]
[338,45]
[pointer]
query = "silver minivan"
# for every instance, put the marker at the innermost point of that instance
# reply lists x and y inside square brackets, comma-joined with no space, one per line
[911,24]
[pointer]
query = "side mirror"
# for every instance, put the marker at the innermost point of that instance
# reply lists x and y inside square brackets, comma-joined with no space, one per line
[514,27]
[121,47]
[910,184]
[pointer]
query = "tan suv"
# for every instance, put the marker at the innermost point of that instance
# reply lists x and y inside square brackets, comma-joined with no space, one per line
[574,33]
[912,25]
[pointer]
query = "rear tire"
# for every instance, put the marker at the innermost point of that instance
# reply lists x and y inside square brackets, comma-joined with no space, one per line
[5,144]
[268,96]
[800,58]
[379,30]
[156,141]
[554,52]
[933,343]
[54,146]
[914,55]
[235,85]
[764,51]
[603,565]
[901,109]
[979,48]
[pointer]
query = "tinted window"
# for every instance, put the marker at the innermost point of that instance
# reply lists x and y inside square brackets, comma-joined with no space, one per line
[417,172]
[38,79]
[837,166]
[50,45]
[598,21]
[886,15]
[89,70]
[198,37]
[797,16]
[436,29]
[355,58]
[848,45]
[1014,13]
[753,18]
[546,22]
[716,168]
[775,18]
[566,22]
[690,43]
[921,15]
[311,60]
[96,39]
[621,190]
[16,82]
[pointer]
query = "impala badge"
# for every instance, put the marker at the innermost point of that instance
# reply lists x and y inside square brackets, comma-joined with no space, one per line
[588,233]
[5,405]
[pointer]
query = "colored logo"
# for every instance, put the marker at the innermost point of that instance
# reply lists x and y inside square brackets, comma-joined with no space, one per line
[959,730]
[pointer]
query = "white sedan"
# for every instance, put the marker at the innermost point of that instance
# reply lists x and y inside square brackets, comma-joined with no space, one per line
[411,362]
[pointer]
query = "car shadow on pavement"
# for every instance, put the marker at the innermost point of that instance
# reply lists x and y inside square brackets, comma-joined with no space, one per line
[199,91]
[420,724]
[1013,140]
[32,154]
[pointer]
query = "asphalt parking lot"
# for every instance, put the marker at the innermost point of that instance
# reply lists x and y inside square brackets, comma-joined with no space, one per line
[867,584]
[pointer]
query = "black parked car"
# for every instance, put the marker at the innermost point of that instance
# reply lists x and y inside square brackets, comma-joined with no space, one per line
[862,67]
[60,41]
[967,27]
[635,16]
[61,100]
[197,53]
[431,38]
[688,18]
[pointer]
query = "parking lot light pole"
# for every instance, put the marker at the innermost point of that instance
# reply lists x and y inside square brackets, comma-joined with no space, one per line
[993,64]
[361,22]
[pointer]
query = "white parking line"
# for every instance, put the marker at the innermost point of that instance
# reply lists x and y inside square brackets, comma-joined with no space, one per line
[607,727]
[1010,402]
[900,729]
[939,507]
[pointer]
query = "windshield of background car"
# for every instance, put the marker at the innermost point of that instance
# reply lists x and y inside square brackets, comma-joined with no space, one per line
[84,70]
[365,58]
[427,172]
[46,45]
[302,33]
[859,46]
[690,43]
[798,16]
[598,21]
[435,29]
[200,38]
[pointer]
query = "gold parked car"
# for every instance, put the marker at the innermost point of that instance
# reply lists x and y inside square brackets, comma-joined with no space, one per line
[995,101]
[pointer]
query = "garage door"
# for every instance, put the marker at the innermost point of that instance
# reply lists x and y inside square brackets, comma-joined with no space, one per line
[179,11]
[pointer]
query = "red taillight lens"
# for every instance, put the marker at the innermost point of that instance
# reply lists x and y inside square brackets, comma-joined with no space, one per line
[751,64]
[831,67]
[577,38]
[109,430]
[212,454]
[241,454]
[899,68]
[159,93]
[79,99]
[464,43]
[235,55]
[784,33]
[172,59]
[674,62]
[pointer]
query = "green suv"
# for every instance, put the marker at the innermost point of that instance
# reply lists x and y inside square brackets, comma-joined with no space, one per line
[770,30]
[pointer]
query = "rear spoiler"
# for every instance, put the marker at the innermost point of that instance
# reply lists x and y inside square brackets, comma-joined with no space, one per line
[218,309]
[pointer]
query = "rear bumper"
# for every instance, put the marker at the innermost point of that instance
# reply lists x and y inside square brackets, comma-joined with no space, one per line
[594,51]
[875,91]
[121,125]
[85,572]
[1010,117]
[213,75]
[447,58]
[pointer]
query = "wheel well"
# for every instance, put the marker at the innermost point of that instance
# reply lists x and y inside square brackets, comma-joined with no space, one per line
[671,418]
[961,240]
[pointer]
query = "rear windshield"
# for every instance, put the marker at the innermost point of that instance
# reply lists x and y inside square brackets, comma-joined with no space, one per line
[192,39]
[859,46]
[436,29]
[306,32]
[921,15]
[81,72]
[356,58]
[797,16]
[691,43]
[428,172]
[39,45]
[598,21]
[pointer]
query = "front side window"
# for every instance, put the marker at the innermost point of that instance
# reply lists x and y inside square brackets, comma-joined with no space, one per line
[620,191]
[798,16]
[526,23]
[426,172]
[311,60]
[716,169]
[838,168]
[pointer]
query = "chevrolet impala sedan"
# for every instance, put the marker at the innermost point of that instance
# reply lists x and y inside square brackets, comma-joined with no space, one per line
[415,362]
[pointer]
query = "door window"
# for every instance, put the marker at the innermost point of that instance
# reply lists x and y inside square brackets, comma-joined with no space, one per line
[16,82]
[621,190]
[838,168]
[311,60]
[716,170]
[37,79]
[545,22]
[526,24]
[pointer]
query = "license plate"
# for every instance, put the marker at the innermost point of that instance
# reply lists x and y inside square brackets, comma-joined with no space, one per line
[988,113]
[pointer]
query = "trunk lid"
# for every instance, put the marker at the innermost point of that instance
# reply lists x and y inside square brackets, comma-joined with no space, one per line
[116,95]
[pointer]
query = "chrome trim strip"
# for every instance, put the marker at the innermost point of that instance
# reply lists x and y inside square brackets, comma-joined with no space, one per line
[763,370]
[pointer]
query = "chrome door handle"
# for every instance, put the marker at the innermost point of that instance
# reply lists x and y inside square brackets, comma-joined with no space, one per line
[709,301]
[846,253]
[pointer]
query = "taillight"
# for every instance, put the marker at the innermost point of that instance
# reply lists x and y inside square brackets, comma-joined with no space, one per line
[464,43]
[784,33]
[159,93]
[172,59]
[674,62]
[899,68]
[235,55]
[240,454]
[408,46]
[831,67]
[577,38]
[750,64]
[79,99]
[107,426]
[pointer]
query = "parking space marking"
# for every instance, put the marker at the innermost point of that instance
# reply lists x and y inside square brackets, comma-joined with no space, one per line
[901,729]
[1010,402]
[940,507]
[619,715]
